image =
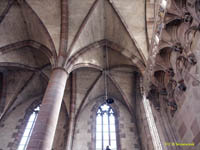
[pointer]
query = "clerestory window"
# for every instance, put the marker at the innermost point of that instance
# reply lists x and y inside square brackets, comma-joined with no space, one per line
[105,128]
[28,130]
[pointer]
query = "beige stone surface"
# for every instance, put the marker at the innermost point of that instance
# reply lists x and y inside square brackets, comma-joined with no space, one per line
[49,12]
[131,12]
[77,13]
[102,36]
[13,27]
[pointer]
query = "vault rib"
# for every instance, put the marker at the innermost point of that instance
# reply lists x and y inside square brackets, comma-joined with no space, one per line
[6,10]
[25,8]
[87,94]
[82,26]
[126,29]
[16,95]
[121,92]
[64,28]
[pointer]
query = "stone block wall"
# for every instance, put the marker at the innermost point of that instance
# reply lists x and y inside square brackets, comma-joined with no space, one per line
[175,74]
[83,133]
[127,134]
[143,127]
[184,125]
[10,132]
[60,138]
[141,119]
[12,128]
[186,120]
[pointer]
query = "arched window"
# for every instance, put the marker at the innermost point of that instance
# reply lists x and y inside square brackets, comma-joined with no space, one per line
[28,130]
[105,128]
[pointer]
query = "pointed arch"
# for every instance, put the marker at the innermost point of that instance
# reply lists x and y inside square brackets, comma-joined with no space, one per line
[105,128]
[28,129]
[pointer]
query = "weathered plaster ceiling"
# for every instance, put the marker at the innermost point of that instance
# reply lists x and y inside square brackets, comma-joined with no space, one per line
[32,32]
[49,12]
[132,14]
[22,24]
[98,92]
[21,86]
[97,20]
[86,80]
[3,6]
[78,10]
[26,56]
[90,84]
[103,21]
[13,27]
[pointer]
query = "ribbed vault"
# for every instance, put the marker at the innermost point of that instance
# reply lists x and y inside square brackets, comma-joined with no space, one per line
[102,22]
[35,34]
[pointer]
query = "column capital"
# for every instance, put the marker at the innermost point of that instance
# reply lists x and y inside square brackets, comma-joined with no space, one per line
[60,68]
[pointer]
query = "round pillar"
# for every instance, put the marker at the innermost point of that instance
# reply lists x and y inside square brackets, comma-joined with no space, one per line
[44,130]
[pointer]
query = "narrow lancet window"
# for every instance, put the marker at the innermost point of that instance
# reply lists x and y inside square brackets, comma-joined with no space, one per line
[28,130]
[105,128]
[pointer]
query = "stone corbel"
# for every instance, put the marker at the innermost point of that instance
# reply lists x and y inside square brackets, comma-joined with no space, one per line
[190,34]
[181,63]
[172,107]
[182,86]
[177,48]
[187,17]
[192,59]
[153,96]
[163,92]
[171,85]
[171,103]
[170,72]
[197,8]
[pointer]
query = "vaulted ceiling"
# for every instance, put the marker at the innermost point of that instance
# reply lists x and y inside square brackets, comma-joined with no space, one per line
[86,33]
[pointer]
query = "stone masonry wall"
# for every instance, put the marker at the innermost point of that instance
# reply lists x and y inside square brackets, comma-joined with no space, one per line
[12,128]
[143,128]
[9,129]
[84,137]
[60,137]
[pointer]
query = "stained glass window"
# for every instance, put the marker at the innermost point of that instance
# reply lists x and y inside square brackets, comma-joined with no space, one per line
[105,128]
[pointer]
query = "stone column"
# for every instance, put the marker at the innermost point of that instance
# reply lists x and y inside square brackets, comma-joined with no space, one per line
[44,130]
[71,132]
[72,114]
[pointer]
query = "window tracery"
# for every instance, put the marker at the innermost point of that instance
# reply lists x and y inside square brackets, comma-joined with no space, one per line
[105,128]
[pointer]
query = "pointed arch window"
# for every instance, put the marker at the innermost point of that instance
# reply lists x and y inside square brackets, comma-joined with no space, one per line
[28,130]
[105,128]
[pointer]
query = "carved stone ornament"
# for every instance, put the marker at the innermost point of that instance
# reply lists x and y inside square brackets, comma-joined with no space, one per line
[192,59]
[171,88]
[172,107]
[187,17]
[153,96]
[170,72]
[172,84]
[177,48]
[182,86]
[181,62]
[163,91]
[197,8]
